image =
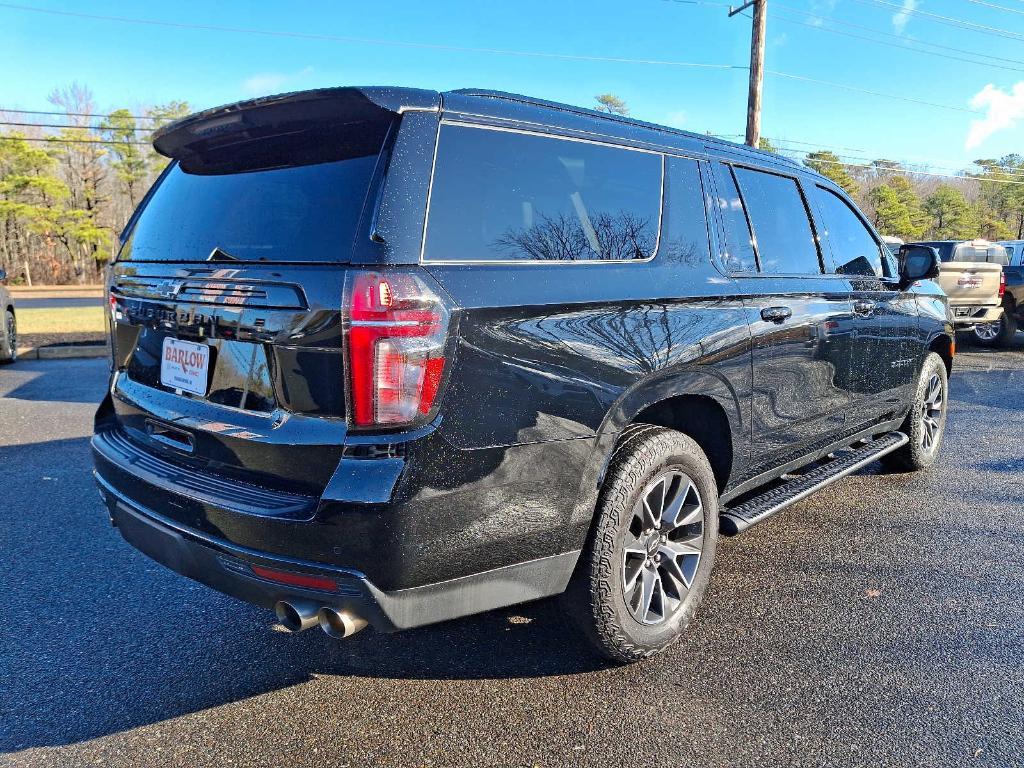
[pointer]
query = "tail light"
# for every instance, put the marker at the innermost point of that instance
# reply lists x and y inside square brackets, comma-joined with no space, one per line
[396,332]
[1002,284]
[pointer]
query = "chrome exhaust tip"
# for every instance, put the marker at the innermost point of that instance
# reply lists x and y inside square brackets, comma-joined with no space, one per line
[297,615]
[339,624]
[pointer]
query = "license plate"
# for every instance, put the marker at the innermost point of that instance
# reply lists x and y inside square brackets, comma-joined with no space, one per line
[962,311]
[185,365]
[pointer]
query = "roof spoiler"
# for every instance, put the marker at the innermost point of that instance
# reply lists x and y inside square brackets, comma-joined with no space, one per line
[304,117]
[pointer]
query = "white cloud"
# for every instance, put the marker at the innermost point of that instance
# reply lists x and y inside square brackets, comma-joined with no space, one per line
[902,16]
[1003,109]
[822,9]
[676,119]
[264,83]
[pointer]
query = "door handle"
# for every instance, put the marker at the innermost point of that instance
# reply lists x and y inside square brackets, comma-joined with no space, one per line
[864,307]
[776,314]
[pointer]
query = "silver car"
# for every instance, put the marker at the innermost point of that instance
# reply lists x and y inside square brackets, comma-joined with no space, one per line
[9,326]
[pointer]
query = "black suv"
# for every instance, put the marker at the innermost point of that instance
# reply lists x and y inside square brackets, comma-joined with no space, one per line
[393,356]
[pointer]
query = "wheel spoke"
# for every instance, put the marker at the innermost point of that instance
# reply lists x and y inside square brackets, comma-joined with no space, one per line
[654,503]
[631,574]
[674,506]
[674,549]
[649,581]
[692,513]
[671,566]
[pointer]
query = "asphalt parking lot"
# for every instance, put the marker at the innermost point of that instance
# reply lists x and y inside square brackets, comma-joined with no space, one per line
[878,623]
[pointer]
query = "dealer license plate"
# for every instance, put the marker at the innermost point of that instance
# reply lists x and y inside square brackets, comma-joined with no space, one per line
[185,365]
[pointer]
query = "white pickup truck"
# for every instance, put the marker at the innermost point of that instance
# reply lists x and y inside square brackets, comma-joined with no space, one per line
[972,277]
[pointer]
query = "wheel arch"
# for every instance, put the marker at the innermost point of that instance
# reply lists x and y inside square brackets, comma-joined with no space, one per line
[944,347]
[698,402]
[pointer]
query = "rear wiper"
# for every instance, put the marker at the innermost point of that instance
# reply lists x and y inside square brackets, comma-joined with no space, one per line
[219,254]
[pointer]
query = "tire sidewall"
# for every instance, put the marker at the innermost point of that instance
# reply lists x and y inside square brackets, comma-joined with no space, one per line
[921,458]
[651,638]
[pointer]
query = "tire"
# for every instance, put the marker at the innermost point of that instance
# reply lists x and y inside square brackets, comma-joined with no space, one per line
[9,338]
[997,334]
[623,563]
[926,422]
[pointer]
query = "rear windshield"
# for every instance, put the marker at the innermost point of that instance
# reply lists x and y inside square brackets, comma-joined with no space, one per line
[300,213]
[993,254]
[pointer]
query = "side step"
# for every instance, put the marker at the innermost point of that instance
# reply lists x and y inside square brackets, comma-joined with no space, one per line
[735,520]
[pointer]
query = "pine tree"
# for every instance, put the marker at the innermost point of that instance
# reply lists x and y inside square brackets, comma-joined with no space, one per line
[829,165]
[612,104]
[952,217]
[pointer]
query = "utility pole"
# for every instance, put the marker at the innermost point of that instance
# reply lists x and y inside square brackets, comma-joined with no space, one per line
[757,38]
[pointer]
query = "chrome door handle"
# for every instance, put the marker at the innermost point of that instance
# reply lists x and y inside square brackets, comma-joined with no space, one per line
[776,314]
[864,307]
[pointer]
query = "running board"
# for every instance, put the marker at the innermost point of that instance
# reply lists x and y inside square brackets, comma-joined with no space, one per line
[735,520]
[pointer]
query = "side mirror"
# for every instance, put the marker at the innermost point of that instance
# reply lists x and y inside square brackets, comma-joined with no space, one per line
[918,262]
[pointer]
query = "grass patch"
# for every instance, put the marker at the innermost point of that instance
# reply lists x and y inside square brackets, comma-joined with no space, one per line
[33,320]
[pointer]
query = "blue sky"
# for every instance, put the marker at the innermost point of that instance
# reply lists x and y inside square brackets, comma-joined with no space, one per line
[135,65]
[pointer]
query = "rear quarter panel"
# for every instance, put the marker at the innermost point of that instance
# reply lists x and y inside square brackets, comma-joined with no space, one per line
[553,360]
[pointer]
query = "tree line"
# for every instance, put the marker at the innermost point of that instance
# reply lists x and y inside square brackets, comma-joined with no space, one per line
[987,203]
[69,183]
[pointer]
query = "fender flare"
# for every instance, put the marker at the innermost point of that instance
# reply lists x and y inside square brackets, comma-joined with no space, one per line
[663,385]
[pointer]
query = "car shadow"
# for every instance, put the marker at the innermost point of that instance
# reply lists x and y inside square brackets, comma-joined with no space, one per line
[97,639]
[62,381]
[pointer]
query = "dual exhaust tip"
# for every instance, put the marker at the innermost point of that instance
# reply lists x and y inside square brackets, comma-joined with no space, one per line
[297,615]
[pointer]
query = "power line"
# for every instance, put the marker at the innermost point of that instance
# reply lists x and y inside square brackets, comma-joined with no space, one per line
[922,173]
[991,62]
[996,7]
[948,20]
[58,140]
[902,170]
[872,93]
[905,166]
[364,40]
[498,51]
[74,114]
[74,127]
[865,156]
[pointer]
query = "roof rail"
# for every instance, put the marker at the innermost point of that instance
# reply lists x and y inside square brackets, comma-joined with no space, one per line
[584,111]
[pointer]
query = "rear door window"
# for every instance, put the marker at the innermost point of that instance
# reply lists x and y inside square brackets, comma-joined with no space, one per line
[854,249]
[502,195]
[738,253]
[778,217]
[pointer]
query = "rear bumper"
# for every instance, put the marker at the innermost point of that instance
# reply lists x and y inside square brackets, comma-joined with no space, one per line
[229,568]
[970,315]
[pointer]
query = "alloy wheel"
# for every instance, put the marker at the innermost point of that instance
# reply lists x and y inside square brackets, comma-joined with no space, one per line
[663,547]
[931,413]
[988,331]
